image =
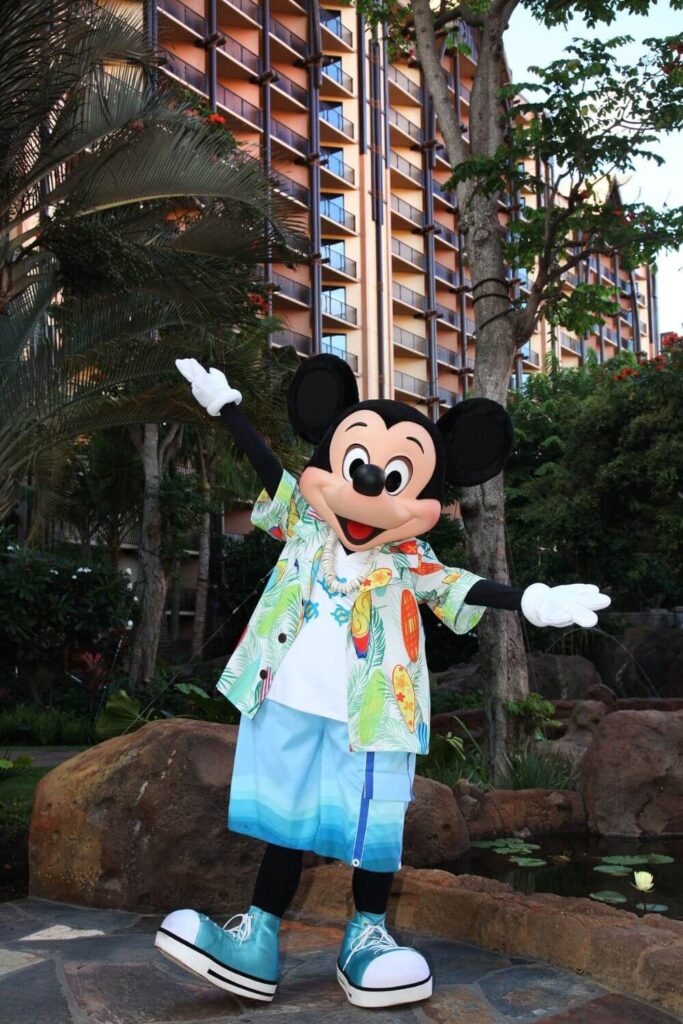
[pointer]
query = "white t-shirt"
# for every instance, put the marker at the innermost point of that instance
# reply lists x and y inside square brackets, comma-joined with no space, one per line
[313,674]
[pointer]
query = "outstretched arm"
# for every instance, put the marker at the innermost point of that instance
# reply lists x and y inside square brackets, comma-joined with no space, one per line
[213,392]
[543,605]
[495,595]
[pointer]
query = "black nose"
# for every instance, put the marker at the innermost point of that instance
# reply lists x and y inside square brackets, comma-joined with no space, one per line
[368,479]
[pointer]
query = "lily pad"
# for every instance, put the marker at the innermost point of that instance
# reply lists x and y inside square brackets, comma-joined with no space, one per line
[653,908]
[608,896]
[613,869]
[631,858]
[528,862]
[659,858]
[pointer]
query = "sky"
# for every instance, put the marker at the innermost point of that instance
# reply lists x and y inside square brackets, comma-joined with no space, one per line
[527,42]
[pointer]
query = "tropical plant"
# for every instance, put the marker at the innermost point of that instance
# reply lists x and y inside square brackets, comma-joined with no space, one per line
[563,140]
[534,769]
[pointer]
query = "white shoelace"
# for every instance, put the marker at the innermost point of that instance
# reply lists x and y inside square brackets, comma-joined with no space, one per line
[240,931]
[373,936]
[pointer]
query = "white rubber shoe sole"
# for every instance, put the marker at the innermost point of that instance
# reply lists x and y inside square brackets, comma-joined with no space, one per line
[204,966]
[377,997]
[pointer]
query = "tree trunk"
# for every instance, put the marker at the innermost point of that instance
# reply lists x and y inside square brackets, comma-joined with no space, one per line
[199,626]
[152,578]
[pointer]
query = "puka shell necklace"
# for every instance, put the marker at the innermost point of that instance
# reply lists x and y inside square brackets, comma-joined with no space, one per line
[330,573]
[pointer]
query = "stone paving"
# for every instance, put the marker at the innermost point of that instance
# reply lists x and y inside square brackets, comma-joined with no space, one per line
[61,964]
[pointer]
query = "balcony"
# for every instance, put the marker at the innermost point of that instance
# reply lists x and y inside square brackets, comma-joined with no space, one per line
[407,254]
[179,12]
[335,32]
[449,199]
[573,344]
[403,131]
[336,261]
[240,110]
[301,342]
[610,335]
[341,353]
[244,13]
[284,42]
[468,37]
[336,81]
[407,173]
[292,96]
[406,339]
[287,138]
[529,356]
[447,398]
[446,236]
[337,123]
[333,168]
[184,72]
[337,214]
[402,88]
[406,212]
[291,292]
[409,385]
[448,357]
[447,316]
[336,309]
[292,189]
[240,61]
[407,297]
[443,273]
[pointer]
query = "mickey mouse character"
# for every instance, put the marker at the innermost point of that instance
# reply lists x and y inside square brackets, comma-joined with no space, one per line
[331,676]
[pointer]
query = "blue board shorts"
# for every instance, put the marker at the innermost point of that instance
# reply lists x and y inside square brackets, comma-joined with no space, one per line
[295,783]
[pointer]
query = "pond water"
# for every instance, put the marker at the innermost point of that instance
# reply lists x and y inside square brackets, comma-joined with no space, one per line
[570,869]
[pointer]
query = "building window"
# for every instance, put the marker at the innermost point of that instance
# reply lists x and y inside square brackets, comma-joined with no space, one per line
[335,344]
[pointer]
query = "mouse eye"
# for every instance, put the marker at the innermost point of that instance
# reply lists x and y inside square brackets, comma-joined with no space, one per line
[398,473]
[355,457]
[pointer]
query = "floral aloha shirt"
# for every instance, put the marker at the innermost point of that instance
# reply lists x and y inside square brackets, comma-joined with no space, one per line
[388,682]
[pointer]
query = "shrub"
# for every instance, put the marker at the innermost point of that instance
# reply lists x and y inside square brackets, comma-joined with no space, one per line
[535,769]
[44,728]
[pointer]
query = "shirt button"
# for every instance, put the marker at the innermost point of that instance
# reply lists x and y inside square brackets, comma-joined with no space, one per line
[263,673]
[282,637]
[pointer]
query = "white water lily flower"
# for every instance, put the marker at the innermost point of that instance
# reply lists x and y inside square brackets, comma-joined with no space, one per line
[129,586]
[129,624]
[643,881]
[136,599]
[83,568]
[128,572]
[55,572]
[74,577]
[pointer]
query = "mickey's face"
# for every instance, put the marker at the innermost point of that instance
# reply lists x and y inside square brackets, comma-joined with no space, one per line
[370,493]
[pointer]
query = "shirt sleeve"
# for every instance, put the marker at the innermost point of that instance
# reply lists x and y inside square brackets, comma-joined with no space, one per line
[444,589]
[279,515]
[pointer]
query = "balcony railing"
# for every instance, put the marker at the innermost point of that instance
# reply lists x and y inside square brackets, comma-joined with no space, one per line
[611,335]
[338,261]
[287,37]
[290,88]
[465,92]
[287,135]
[336,165]
[571,343]
[291,188]
[446,397]
[294,290]
[448,357]
[411,385]
[444,194]
[447,235]
[529,356]
[449,316]
[181,12]
[341,353]
[408,296]
[407,253]
[470,326]
[411,129]
[409,340]
[468,37]
[446,274]
[243,108]
[403,82]
[337,120]
[335,307]
[186,72]
[405,167]
[248,7]
[301,342]
[338,75]
[411,213]
[333,23]
[240,53]
[337,213]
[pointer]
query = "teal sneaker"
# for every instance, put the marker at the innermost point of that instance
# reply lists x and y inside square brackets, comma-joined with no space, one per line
[241,957]
[375,971]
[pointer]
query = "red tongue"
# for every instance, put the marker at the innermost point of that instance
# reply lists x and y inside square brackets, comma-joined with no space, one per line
[358,531]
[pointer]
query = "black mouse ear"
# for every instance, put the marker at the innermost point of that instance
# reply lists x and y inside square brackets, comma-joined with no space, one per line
[478,439]
[321,388]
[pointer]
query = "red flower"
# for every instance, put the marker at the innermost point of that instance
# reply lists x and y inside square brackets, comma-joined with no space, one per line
[216,119]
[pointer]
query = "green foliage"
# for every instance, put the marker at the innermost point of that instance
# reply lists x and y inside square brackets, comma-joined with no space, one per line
[212,709]
[16,801]
[121,714]
[451,758]
[13,767]
[450,700]
[532,769]
[244,566]
[593,487]
[43,727]
[535,713]
[182,506]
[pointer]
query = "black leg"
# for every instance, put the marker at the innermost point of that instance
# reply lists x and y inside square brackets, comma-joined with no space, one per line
[277,879]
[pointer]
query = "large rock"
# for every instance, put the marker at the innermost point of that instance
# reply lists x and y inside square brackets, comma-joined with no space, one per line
[564,676]
[581,729]
[435,830]
[139,823]
[531,811]
[632,775]
[652,664]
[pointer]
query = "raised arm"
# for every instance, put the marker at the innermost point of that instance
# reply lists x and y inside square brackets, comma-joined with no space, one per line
[212,391]
[542,605]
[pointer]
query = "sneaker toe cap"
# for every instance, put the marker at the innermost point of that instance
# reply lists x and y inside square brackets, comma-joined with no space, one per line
[182,923]
[398,967]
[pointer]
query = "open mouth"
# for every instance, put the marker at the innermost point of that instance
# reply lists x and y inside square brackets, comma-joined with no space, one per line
[358,533]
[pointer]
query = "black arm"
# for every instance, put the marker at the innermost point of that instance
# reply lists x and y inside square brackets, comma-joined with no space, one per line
[266,465]
[495,595]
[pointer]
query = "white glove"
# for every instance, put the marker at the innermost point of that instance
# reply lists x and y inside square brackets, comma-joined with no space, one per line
[210,388]
[564,605]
